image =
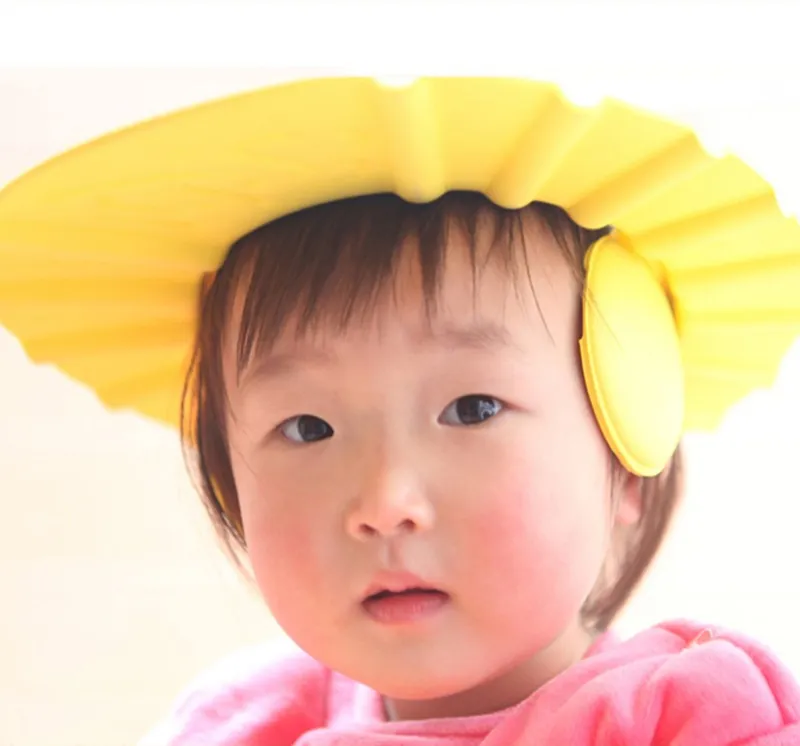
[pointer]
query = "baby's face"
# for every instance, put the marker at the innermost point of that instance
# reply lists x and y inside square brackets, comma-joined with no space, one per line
[460,456]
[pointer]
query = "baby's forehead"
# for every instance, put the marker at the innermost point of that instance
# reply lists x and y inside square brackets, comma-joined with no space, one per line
[475,278]
[335,268]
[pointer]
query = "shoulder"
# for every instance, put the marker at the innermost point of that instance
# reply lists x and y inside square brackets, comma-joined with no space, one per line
[721,663]
[267,694]
[675,683]
[705,684]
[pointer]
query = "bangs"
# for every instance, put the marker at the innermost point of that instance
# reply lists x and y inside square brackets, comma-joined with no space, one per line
[330,265]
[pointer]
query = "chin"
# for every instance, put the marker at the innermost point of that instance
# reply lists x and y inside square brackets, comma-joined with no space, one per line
[418,684]
[414,690]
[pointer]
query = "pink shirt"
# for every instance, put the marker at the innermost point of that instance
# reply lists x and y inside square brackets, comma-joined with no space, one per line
[676,684]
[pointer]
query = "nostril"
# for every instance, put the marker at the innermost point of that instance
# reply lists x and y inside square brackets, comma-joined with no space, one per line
[403,527]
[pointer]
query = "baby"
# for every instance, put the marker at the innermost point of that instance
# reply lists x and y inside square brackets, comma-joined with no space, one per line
[442,365]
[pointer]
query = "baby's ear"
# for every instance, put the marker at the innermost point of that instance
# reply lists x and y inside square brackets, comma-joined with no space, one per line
[629,500]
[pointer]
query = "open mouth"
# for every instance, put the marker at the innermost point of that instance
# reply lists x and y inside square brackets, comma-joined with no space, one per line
[404,606]
[406,592]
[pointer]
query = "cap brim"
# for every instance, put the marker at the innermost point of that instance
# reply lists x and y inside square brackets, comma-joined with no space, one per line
[102,249]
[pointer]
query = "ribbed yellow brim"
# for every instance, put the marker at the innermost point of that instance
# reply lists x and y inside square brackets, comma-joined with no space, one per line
[102,249]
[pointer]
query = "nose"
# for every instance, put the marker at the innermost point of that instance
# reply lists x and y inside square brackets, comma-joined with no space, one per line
[390,502]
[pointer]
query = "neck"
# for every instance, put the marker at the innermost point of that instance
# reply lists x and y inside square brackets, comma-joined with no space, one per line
[506,689]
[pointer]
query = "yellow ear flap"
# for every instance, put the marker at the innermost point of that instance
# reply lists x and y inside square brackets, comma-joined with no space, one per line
[630,351]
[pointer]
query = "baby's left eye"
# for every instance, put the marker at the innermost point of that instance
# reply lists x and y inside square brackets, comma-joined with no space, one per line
[471,410]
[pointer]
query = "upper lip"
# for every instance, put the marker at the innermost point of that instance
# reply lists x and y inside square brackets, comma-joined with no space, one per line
[397,582]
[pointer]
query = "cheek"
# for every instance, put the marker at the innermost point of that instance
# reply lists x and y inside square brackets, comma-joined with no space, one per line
[288,557]
[540,527]
[282,541]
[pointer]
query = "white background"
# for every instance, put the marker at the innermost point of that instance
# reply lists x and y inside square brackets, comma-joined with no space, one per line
[112,593]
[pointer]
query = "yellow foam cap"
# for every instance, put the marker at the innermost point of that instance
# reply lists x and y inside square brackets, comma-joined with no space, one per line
[102,248]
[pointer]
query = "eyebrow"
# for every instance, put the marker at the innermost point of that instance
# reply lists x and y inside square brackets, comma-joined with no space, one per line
[480,336]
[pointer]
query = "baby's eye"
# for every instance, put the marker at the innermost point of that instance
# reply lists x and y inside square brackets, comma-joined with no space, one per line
[471,410]
[305,428]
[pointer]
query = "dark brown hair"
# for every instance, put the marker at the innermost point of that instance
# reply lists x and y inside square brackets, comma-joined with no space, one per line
[333,262]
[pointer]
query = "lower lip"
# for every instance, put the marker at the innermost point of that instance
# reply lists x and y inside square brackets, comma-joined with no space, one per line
[405,608]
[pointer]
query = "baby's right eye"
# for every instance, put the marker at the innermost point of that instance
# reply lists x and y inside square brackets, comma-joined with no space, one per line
[305,428]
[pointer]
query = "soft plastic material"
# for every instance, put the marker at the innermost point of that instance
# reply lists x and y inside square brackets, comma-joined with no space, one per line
[631,355]
[102,249]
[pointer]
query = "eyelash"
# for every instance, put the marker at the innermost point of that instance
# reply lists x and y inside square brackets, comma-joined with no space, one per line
[484,414]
